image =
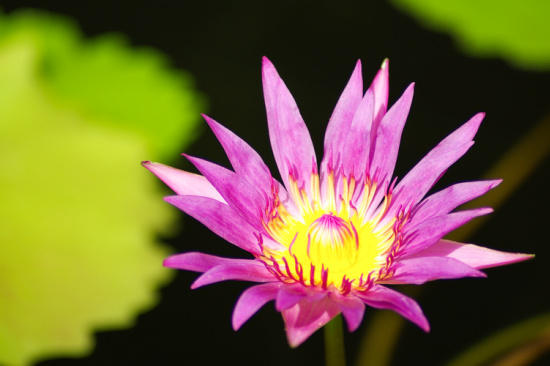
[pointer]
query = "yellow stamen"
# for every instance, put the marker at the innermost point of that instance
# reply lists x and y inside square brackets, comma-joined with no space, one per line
[327,246]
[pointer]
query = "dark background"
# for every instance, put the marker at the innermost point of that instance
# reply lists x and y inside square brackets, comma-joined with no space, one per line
[314,45]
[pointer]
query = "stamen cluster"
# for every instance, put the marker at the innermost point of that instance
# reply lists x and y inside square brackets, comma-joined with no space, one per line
[345,243]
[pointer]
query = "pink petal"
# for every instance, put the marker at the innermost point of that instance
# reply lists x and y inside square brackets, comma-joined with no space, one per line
[420,270]
[341,119]
[356,155]
[194,261]
[252,300]
[446,200]
[425,174]
[472,255]
[388,136]
[245,161]
[381,87]
[290,139]
[183,182]
[431,231]
[353,310]
[236,269]
[240,195]
[381,297]
[289,296]
[304,318]
[220,218]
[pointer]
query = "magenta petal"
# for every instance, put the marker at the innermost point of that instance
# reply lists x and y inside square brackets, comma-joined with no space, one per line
[472,255]
[381,88]
[381,297]
[236,269]
[304,318]
[290,139]
[252,300]
[425,174]
[353,310]
[245,160]
[446,200]
[289,296]
[220,218]
[431,231]
[194,261]
[341,119]
[240,195]
[355,156]
[183,182]
[388,136]
[420,270]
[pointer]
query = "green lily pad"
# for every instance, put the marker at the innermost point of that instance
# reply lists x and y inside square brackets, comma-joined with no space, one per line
[79,215]
[515,31]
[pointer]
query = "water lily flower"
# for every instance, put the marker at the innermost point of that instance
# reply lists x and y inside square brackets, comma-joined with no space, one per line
[328,240]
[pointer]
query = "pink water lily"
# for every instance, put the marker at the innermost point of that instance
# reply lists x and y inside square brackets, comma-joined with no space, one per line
[327,241]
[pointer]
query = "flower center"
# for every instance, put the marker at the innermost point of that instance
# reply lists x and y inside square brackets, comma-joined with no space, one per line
[331,238]
[331,243]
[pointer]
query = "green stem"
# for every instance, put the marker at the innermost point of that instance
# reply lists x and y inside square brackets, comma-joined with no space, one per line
[334,343]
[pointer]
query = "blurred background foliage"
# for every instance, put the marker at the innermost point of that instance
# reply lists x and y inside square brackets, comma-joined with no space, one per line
[86,86]
[79,215]
[517,32]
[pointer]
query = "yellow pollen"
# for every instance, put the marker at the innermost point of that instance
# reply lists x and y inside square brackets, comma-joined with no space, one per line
[331,237]
[328,244]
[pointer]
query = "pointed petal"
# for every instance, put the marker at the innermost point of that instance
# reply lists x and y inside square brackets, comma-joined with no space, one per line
[341,119]
[242,197]
[248,164]
[235,269]
[426,173]
[446,200]
[245,160]
[304,318]
[355,156]
[472,255]
[381,297]
[290,139]
[353,310]
[420,270]
[194,261]
[381,88]
[183,182]
[388,136]
[220,218]
[252,300]
[431,231]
